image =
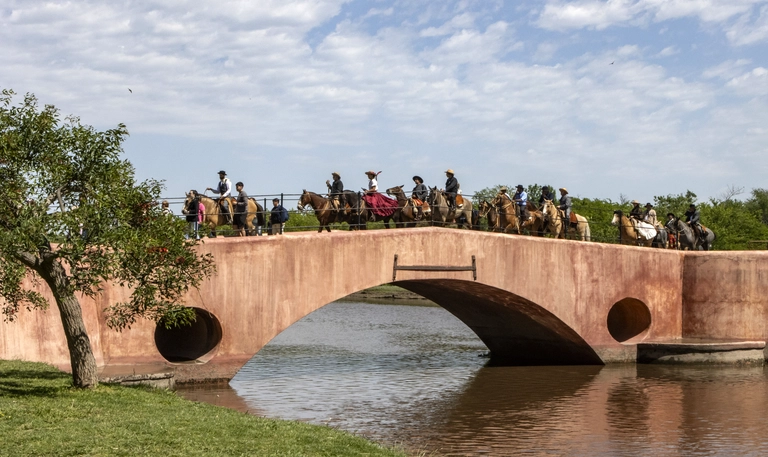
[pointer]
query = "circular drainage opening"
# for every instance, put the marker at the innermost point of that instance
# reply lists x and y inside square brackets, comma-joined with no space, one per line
[627,319]
[196,342]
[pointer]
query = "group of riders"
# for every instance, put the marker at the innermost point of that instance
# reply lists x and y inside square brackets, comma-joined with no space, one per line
[234,207]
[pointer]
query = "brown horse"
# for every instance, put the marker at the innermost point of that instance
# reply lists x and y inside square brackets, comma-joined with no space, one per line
[629,235]
[534,225]
[406,210]
[489,211]
[442,215]
[556,225]
[214,218]
[326,214]
[508,221]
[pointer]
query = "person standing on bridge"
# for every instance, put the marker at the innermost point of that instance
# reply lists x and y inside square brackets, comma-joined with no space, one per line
[241,209]
[224,190]
[277,218]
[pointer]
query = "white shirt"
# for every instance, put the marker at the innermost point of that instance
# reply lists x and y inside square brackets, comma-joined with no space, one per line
[373,184]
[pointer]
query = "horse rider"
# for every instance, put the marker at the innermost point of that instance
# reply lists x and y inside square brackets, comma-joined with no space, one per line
[546,194]
[649,215]
[224,190]
[693,218]
[636,213]
[565,204]
[671,231]
[373,183]
[419,196]
[521,200]
[451,188]
[336,193]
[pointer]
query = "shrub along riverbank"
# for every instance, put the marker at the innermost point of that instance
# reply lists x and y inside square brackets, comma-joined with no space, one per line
[41,414]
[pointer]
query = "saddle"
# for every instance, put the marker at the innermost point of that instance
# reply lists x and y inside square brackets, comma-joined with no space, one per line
[459,201]
[572,219]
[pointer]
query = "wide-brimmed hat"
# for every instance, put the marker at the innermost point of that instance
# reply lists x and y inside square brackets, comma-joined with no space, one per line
[635,202]
[370,172]
[417,177]
[503,189]
[563,189]
[671,214]
[450,170]
[648,205]
[545,188]
[519,186]
[222,172]
[335,174]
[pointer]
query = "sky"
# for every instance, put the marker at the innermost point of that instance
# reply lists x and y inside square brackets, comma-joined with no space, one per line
[632,98]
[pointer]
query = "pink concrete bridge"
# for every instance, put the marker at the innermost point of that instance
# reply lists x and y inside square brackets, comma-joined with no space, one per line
[531,300]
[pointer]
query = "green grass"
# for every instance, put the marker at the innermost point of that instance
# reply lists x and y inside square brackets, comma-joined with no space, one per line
[41,414]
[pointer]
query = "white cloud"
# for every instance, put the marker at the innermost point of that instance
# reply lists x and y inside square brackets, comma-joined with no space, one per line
[562,15]
[745,31]
[726,70]
[668,51]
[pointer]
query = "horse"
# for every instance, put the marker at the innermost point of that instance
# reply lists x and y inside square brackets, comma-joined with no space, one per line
[326,214]
[508,219]
[534,225]
[406,211]
[214,218]
[686,237]
[555,224]
[487,210]
[442,215]
[628,234]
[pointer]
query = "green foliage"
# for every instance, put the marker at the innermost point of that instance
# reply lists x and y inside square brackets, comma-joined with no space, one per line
[68,199]
[301,221]
[41,415]
[676,204]
[599,213]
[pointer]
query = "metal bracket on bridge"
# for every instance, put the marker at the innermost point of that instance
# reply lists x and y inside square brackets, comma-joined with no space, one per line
[472,268]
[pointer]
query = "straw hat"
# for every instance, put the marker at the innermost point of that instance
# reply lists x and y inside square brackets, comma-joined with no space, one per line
[450,170]
[563,189]
[503,189]
[335,173]
[635,202]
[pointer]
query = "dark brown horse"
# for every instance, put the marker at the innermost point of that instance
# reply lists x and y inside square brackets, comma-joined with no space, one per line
[489,211]
[326,214]
[406,210]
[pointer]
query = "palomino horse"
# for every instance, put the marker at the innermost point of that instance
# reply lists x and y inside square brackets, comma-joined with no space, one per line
[406,210]
[326,214]
[442,215]
[686,237]
[559,227]
[629,235]
[214,218]
[487,210]
[508,220]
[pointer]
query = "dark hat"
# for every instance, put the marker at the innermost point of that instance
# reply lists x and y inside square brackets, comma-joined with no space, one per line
[222,172]
[648,205]
[418,178]
[545,188]
[671,214]
[519,186]
[691,206]
[239,183]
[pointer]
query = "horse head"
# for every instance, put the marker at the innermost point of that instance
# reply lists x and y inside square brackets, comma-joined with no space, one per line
[303,200]
[617,215]
[394,191]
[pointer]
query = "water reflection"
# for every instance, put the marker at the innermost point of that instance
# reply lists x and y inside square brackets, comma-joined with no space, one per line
[412,376]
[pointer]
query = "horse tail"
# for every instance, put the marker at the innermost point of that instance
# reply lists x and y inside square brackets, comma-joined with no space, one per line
[260,218]
[587,233]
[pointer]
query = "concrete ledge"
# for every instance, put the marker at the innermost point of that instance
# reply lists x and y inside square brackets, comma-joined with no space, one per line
[702,351]
[156,380]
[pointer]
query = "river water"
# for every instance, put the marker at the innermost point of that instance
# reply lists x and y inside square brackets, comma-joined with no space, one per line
[415,377]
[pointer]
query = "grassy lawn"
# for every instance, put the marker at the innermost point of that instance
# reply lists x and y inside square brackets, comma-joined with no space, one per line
[40,414]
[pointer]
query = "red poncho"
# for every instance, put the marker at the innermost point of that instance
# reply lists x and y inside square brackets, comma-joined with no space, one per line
[380,205]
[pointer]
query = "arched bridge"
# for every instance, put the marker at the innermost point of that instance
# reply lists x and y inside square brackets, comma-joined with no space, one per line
[531,300]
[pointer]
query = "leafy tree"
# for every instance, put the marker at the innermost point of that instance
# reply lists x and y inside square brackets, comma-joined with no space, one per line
[758,204]
[74,217]
[676,204]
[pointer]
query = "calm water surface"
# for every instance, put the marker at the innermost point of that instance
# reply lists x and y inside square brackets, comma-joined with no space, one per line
[415,377]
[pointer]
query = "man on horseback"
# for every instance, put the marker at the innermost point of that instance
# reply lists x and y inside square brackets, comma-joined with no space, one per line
[649,215]
[565,206]
[636,213]
[419,196]
[693,218]
[224,189]
[451,189]
[336,194]
[546,194]
[521,200]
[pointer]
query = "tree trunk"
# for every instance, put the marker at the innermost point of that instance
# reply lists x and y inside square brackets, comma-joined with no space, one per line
[83,362]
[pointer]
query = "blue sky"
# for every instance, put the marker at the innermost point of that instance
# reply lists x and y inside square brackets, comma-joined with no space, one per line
[632,97]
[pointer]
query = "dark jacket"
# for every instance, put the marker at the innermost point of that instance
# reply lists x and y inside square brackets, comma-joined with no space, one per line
[242,201]
[636,212]
[421,192]
[336,188]
[544,196]
[279,215]
[192,209]
[452,185]
[692,216]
